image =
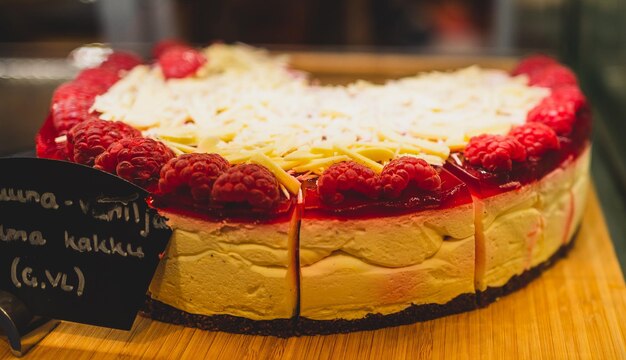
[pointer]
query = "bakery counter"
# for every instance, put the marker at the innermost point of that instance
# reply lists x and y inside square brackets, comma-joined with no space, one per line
[573,310]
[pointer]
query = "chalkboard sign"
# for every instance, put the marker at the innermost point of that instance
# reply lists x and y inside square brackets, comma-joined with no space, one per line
[76,243]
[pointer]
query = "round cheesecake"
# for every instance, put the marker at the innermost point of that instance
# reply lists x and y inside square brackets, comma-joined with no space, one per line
[300,208]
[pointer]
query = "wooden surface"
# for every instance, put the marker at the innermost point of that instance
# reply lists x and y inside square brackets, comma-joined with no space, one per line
[341,68]
[577,309]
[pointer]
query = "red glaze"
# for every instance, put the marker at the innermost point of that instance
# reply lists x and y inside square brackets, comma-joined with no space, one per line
[485,184]
[45,146]
[236,212]
[452,193]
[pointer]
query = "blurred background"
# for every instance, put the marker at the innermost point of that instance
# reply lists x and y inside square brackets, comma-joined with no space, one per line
[36,37]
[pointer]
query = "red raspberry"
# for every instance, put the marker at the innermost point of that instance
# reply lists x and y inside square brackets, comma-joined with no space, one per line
[71,103]
[533,64]
[180,61]
[494,152]
[537,138]
[249,183]
[398,173]
[87,140]
[558,115]
[73,89]
[553,76]
[347,176]
[163,45]
[138,160]
[571,95]
[121,60]
[102,77]
[195,173]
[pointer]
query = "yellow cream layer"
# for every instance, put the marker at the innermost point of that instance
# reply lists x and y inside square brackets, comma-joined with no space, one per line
[353,267]
[342,286]
[239,269]
[395,241]
[523,228]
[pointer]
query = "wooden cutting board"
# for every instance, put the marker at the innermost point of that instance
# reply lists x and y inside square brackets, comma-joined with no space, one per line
[577,309]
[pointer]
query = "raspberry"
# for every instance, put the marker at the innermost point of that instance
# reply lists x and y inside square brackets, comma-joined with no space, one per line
[494,152]
[249,183]
[537,138]
[553,76]
[347,176]
[570,94]
[195,173]
[87,140]
[180,61]
[73,89]
[121,60]
[71,103]
[163,45]
[558,115]
[67,114]
[103,77]
[398,173]
[533,64]
[138,160]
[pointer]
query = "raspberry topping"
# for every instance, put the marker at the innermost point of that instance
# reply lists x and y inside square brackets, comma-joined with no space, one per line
[121,60]
[571,95]
[73,89]
[71,103]
[537,138]
[398,173]
[558,115]
[45,144]
[553,76]
[87,140]
[494,152]
[195,173]
[138,160]
[163,45]
[180,61]
[344,177]
[100,76]
[249,183]
[533,64]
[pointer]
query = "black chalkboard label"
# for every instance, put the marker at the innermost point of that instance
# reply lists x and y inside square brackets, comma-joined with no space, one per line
[76,243]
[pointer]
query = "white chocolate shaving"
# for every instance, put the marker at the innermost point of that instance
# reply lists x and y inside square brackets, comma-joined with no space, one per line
[245,102]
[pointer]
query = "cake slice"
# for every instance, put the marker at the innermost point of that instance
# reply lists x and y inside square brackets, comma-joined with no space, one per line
[366,265]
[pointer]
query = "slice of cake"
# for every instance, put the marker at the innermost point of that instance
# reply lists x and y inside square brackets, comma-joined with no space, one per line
[299,208]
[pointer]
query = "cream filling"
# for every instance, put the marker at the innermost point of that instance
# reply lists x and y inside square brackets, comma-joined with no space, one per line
[395,241]
[232,268]
[341,286]
[353,267]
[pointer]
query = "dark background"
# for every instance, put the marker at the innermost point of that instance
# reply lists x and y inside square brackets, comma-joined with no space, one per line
[37,35]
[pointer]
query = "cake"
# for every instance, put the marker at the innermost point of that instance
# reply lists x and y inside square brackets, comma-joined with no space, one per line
[300,208]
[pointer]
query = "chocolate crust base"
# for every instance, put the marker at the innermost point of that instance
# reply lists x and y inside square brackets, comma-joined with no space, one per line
[410,315]
[228,323]
[298,326]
